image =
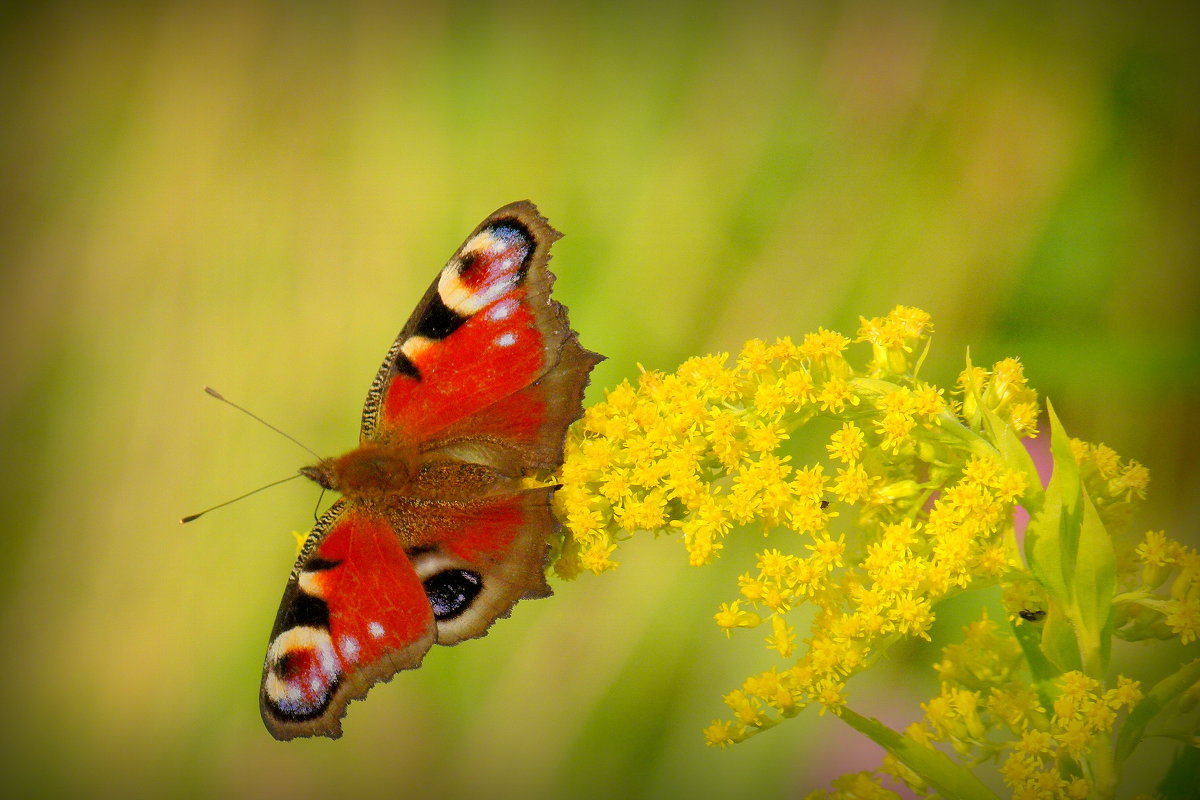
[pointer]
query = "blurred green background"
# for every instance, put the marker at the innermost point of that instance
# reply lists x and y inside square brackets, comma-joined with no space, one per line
[254,195]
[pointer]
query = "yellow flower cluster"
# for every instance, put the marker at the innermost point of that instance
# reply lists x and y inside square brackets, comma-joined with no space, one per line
[1166,603]
[1082,718]
[880,496]
[988,710]
[696,451]
[1116,488]
[1108,479]
[855,786]
[1003,390]
[906,504]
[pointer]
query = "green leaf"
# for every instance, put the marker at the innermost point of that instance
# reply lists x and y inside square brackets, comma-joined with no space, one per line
[1163,693]
[934,766]
[1053,533]
[1095,576]
[1059,642]
[1070,553]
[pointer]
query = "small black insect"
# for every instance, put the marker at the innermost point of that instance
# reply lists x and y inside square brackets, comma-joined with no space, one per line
[1031,616]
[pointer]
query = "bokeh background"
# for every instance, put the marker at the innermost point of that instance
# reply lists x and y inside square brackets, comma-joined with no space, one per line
[253,195]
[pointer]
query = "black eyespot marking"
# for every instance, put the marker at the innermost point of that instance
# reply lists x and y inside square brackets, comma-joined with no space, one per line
[319,564]
[1031,616]
[304,610]
[419,550]
[452,591]
[439,320]
[286,666]
[467,263]
[403,365]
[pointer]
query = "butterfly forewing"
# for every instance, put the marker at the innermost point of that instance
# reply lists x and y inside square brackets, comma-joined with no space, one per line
[486,329]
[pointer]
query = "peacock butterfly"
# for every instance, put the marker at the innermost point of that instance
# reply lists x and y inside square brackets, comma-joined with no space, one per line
[435,534]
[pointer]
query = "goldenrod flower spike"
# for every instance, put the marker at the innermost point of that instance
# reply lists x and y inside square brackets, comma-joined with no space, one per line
[908,499]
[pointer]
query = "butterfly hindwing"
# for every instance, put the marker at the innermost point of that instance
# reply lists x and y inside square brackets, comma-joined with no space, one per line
[360,606]
[482,559]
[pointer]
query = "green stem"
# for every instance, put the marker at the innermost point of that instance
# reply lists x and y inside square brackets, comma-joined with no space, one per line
[1089,649]
[878,650]
[934,766]
[1040,667]
[1104,769]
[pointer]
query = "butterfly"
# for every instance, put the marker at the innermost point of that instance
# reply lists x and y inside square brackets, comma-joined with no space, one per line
[436,534]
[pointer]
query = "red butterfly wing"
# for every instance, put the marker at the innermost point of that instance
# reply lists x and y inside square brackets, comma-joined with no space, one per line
[354,612]
[487,356]
[481,558]
[360,607]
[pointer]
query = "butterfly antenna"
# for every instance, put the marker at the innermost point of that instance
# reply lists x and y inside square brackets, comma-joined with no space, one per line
[191,517]
[213,392]
[317,507]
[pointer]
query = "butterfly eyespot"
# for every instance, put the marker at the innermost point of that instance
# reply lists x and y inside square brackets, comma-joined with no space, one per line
[452,591]
[288,666]
[295,665]
[467,263]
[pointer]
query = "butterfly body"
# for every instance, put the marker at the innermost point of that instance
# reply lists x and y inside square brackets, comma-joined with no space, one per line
[436,533]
